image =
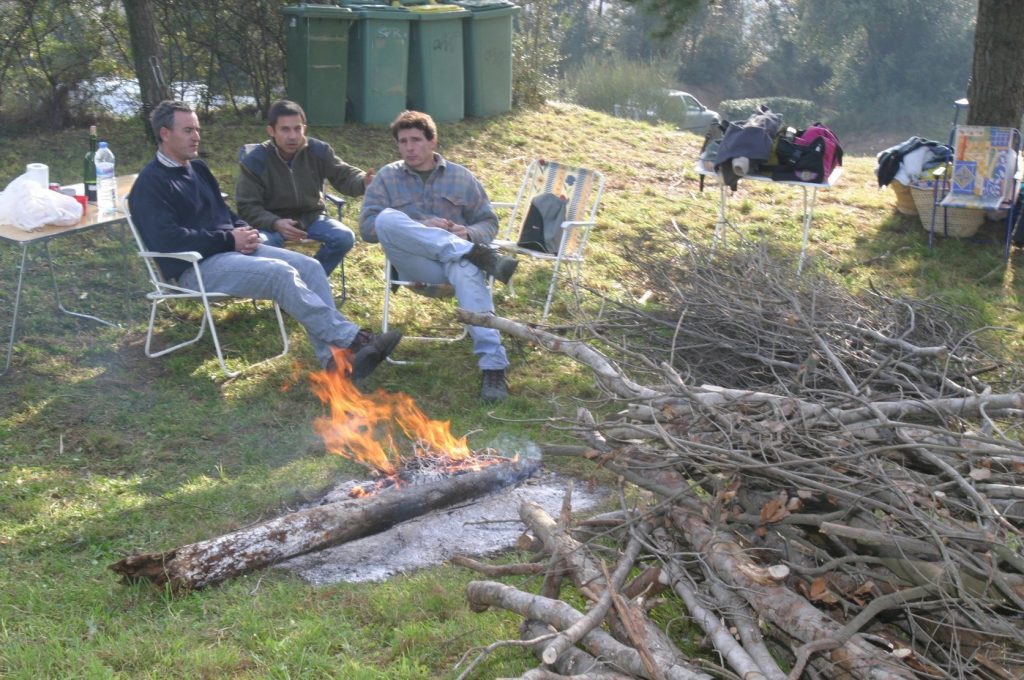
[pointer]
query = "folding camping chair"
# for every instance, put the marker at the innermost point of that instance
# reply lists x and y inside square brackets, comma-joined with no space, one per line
[581,188]
[339,205]
[392,283]
[984,174]
[164,291]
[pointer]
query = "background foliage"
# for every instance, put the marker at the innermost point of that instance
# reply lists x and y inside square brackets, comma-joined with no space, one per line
[870,65]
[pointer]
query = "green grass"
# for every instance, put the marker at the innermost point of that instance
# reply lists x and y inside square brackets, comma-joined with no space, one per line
[104,452]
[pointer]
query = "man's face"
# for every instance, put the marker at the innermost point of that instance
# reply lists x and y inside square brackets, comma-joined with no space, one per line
[181,142]
[289,135]
[416,150]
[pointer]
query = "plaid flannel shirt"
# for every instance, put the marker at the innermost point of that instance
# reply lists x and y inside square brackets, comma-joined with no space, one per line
[450,192]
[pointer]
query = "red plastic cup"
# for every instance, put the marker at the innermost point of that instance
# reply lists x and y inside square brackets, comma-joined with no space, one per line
[81,200]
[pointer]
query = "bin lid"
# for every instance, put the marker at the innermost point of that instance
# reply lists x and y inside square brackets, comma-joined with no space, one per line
[319,11]
[375,9]
[484,5]
[435,9]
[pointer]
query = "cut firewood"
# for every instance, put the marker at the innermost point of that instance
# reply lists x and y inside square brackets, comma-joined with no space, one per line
[201,564]
[843,473]
[484,594]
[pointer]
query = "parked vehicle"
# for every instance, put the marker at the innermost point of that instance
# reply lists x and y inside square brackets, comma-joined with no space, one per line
[686,112]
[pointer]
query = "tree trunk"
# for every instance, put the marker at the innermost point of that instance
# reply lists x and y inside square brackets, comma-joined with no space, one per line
[146,57]
[217,559]
[995,92]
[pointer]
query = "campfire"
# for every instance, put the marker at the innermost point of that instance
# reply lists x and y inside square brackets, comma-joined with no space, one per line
[367,428]
[436,469]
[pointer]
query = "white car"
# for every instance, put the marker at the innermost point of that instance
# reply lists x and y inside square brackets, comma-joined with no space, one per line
[687,113]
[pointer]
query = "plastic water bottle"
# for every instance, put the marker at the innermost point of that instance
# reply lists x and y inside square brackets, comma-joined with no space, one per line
[106,180]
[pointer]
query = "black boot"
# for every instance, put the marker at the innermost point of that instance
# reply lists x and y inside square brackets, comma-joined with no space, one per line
[368,351]
[488,261]
[493,386]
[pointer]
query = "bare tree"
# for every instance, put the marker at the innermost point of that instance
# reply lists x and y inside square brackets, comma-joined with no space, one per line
[146,54]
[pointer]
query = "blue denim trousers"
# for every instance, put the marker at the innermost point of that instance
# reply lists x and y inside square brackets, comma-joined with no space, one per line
[335,237]
[294,281]
[429,255]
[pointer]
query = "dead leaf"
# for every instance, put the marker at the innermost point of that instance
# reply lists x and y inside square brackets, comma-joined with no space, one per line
[819,592]
[773,511]
[980,474]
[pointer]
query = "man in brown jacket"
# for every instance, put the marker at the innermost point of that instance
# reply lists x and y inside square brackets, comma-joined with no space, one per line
[280,186]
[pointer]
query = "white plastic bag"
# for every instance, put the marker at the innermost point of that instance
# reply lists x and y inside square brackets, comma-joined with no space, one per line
[27,205]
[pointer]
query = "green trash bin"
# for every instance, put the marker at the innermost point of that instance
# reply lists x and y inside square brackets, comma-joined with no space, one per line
[317,44]
[378,61]
[487,46]
[436,83]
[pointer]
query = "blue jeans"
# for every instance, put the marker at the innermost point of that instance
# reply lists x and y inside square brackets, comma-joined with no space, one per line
[431,255]
[294,281]
[337,240]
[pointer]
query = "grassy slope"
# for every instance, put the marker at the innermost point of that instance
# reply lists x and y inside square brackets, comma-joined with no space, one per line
[103,452]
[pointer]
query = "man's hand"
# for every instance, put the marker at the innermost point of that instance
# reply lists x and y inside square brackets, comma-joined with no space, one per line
[447,225]
[247,239]
[289,229]
[370,174]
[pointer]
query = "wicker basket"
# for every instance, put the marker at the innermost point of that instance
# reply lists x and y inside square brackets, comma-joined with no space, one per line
[904,201]
[957,222]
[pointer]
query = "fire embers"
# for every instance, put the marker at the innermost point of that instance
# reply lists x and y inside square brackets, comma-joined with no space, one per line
[425,467]
[373,429]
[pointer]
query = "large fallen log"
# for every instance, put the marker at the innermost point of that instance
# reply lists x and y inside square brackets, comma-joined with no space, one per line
[259,545]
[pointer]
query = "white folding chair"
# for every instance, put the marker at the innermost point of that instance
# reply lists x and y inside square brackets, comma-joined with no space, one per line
[165,291]
[581,188]
[392,281]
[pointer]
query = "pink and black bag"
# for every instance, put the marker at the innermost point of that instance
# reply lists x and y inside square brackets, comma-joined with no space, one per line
[811,156]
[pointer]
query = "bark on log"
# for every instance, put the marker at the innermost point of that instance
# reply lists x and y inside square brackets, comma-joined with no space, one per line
[731,650]
[784,608]
[574,661]
[214,560]
[586,574]
[484,594]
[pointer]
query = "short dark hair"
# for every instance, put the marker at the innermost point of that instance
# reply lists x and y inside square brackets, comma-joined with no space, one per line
[284,107]
[414,119]
[163,115]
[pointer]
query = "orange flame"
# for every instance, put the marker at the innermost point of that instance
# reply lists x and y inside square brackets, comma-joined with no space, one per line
[359,422]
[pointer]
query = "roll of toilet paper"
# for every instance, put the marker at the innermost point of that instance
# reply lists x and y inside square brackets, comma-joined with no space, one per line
[39,173]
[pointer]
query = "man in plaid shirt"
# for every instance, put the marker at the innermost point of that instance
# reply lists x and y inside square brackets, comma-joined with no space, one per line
[435,223]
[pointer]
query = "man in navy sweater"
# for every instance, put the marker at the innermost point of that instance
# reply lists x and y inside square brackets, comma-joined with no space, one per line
[177,205]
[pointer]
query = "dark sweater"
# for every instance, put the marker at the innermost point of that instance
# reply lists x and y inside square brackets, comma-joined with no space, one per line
[180,209]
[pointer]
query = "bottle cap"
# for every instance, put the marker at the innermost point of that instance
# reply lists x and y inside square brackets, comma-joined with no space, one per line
[103,145]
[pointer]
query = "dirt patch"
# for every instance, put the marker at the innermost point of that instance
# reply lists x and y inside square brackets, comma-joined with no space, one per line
[481,527]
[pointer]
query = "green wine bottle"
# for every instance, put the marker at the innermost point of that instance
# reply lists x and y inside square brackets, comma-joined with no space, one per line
[90,167]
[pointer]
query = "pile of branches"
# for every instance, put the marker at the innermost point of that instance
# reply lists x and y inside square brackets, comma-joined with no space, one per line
[835,485]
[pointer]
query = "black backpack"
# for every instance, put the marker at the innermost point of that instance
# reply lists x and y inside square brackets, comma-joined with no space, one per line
[542,228]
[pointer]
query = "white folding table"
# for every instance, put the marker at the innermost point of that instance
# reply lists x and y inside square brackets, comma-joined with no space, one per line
[810,197]
[13,235]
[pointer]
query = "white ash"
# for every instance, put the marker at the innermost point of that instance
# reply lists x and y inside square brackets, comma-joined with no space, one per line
[479,527]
